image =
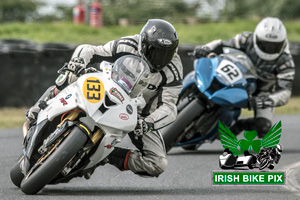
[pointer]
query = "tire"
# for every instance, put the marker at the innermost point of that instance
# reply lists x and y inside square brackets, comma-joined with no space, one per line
[190,148]
[16,174]
[55,163]
[185,117]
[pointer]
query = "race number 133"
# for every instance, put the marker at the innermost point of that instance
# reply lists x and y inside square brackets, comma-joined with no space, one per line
[93,89]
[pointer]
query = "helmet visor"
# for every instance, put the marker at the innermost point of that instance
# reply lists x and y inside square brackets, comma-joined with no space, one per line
[269,47]
[159,58]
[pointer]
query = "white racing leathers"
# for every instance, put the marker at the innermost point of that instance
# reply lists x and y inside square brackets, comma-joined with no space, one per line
[161,96]
[275,77]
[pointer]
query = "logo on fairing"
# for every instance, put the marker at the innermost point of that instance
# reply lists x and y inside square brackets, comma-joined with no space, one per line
[115,92]
[68,96]
[124,116]
[164,42]
[63,101]
[129,109]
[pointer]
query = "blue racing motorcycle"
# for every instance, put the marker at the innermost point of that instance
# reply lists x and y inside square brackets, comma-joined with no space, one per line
[216,90]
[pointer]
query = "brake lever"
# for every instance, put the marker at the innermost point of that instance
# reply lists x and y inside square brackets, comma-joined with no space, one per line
[64,68]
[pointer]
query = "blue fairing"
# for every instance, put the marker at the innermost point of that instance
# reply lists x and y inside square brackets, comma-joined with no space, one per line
[188,80]
[225,95]
[205,72]
[236,97]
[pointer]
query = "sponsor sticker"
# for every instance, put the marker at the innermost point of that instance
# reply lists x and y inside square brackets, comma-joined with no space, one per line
[129,109]
[63,101]
[115,92]
[68,96]
[124,116]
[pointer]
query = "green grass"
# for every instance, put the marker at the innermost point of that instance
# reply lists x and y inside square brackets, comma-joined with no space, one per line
[15,117]
[63,32]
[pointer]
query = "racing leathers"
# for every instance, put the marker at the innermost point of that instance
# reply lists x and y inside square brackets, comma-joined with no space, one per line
[274,84]
[161,96]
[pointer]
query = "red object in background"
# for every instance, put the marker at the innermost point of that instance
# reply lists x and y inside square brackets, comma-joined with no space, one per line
[96,15]
[79,14]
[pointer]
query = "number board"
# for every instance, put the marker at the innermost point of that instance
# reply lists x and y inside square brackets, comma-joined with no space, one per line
[230,71]
[93,90]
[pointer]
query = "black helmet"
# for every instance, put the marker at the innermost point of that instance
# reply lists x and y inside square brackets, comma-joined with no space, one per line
[157,44]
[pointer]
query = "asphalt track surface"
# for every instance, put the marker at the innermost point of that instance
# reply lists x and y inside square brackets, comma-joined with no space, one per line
[188,175]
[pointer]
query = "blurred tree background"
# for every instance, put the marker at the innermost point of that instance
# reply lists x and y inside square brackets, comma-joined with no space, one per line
[138,11]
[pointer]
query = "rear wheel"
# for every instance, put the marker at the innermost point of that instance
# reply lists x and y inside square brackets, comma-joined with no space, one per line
[184,118]
[54,163]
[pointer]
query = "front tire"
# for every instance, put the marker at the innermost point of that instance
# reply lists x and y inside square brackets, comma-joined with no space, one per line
[16,174]
[184,118]
[55,163]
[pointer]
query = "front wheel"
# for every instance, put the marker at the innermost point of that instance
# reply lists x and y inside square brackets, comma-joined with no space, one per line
[184,119]
[54,163]
[16,174]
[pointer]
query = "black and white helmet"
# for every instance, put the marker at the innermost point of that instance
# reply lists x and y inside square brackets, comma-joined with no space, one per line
[269,38]
[158,43]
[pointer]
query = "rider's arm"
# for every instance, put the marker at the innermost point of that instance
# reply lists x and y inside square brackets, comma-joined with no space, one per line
[238,42]
[284,79]
[166,111]
[90,53]
[109,52]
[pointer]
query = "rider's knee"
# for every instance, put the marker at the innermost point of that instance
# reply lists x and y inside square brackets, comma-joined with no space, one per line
[155,167]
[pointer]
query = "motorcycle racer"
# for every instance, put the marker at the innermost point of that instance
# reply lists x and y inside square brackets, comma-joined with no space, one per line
[268,49]
[157,44]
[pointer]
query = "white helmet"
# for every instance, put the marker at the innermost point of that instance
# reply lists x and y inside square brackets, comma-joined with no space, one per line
[269,38]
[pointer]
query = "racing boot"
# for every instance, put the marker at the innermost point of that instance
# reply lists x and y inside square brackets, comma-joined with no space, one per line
[119,158]
[238,127]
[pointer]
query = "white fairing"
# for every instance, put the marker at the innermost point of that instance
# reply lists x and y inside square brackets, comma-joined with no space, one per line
[107,105]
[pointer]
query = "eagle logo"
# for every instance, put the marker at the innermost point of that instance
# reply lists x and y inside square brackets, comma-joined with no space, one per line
[237,147]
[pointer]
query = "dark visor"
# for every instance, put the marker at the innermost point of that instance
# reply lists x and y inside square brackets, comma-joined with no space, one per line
[269,47]
[159,58]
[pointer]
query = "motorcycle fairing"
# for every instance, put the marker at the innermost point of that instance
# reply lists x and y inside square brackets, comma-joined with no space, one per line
[114,115]
[188,80]
[211,82]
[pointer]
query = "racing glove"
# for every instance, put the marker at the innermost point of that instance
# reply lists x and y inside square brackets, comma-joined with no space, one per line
[70,72]
[144,126]
[260,102]
[201,51]
[76,65]
[32,113]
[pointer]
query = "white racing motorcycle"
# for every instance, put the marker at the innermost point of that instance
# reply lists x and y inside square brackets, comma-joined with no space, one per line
[76,130]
